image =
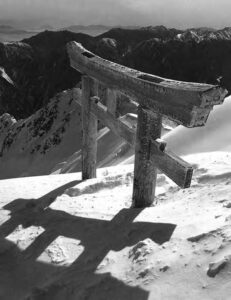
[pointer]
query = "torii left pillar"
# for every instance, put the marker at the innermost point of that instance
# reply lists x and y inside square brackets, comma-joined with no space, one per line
[89,127]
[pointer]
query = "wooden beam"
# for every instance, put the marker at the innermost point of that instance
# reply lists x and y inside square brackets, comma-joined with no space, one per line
[111,101]
[89,126]
[166,161]
[117,126]
[145,171]
[177,169]
[170,164]
[185,103]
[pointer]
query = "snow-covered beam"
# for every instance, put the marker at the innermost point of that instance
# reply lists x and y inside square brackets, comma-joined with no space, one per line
[186,103]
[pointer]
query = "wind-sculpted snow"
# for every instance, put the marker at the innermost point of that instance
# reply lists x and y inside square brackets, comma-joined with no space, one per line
[214,136]
[61,238]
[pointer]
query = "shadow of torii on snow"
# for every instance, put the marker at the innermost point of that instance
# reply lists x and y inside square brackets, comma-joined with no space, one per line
[98,238]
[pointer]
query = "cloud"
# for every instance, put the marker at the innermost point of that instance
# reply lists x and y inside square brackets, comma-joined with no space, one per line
[178,13]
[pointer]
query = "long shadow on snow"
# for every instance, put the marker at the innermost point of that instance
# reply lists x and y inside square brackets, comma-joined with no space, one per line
[98,238]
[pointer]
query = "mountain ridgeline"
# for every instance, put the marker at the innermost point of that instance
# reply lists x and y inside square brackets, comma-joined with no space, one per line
[40,68]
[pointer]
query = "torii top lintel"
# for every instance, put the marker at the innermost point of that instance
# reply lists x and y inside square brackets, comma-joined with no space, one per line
[186,103]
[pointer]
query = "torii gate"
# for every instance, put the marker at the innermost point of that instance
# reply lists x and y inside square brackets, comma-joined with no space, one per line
[186,103]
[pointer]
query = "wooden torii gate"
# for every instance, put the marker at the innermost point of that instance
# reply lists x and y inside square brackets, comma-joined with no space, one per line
[186,103]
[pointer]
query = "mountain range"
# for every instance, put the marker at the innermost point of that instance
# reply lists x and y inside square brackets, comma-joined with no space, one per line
[40,67]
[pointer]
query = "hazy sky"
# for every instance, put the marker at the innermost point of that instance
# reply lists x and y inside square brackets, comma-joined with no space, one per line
[175,13]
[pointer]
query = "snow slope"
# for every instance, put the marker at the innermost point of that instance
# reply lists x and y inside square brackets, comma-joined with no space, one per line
[66,239]
[214,136]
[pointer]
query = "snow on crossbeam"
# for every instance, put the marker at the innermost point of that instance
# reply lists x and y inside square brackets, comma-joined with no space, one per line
[186,103]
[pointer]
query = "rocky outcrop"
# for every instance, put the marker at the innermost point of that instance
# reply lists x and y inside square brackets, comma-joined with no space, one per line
[6,123]
[205,34]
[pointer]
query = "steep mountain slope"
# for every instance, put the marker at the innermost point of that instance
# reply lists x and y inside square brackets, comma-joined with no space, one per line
[49,141]
[19,61]
[40,68]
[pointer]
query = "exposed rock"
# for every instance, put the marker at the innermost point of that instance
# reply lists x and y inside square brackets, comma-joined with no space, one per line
[140,250]
[164,269]
[227,205]
[6,123]
[216,267]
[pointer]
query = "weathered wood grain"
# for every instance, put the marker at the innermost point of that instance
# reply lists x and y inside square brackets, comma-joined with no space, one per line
[186,103]
[89,126]
[116,125]
[111,96]
[145,170]
[170,164]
